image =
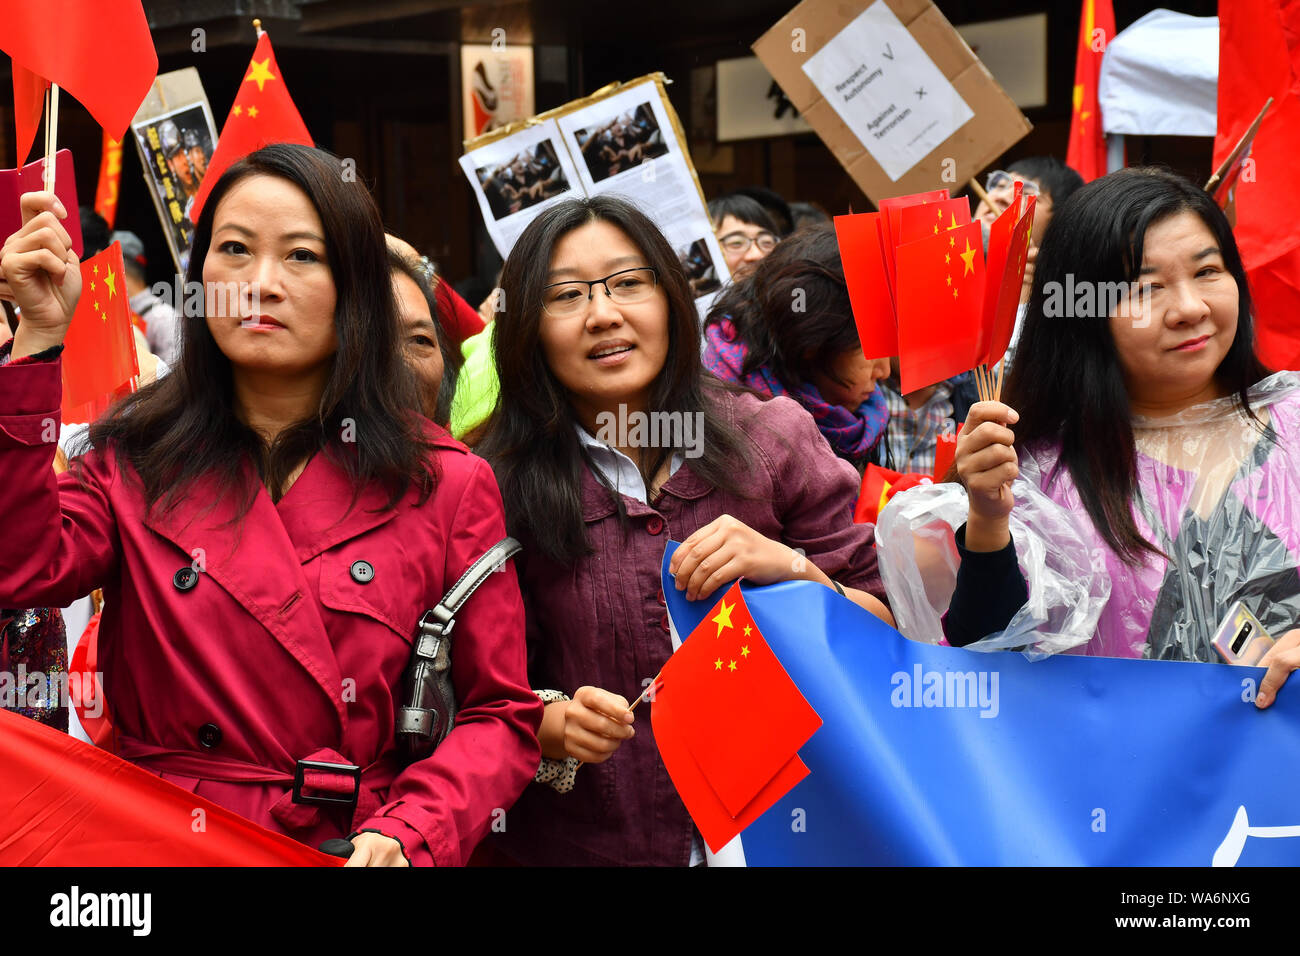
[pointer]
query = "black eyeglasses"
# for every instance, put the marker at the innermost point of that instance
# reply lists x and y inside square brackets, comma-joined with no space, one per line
[626,287]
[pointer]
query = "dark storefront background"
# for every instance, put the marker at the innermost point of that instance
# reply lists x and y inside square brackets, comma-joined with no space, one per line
[379,81]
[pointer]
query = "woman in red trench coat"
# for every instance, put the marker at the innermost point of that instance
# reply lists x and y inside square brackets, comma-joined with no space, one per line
[268,524]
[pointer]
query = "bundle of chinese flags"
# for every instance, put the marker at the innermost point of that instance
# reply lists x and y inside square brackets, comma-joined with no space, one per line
[100,51]
[1259,57]
[66,803]
[729,722]
[99,360]
[923,287]
[263,114]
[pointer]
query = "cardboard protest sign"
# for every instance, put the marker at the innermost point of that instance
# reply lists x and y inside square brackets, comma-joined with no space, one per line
[175,136]
[893,90]
[624,140]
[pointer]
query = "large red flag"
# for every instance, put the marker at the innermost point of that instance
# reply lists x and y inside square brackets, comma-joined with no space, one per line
[100,51]
[263,114]
[1087,150]
[729,722]
[99,361]
[1259,57]
[66,803]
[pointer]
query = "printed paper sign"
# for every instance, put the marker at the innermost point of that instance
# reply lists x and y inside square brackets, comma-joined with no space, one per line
[885,88]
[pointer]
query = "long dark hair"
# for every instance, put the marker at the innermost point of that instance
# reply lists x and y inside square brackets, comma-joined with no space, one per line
[793,313]
[1066,383]
[531,440]
[184,425]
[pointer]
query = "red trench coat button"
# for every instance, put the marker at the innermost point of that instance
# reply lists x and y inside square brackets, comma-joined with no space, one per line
[655,524]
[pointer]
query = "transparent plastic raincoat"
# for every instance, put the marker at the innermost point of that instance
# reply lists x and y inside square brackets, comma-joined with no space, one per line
[1219,494]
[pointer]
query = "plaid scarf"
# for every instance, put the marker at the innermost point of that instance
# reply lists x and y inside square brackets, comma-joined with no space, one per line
[851,433]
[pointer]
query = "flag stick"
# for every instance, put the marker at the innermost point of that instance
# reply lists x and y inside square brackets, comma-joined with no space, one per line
[51,134]
[979,191]
[257,25]
[997,392]
[1237,150]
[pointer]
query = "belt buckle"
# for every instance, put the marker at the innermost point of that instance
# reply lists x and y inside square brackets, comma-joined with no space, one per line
[344,769]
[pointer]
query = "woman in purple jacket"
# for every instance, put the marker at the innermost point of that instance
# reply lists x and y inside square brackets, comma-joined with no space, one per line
[610,439]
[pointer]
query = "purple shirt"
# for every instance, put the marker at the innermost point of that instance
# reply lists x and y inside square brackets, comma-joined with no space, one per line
[602,622]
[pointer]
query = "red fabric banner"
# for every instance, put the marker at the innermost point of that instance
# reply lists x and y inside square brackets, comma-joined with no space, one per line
[66,803]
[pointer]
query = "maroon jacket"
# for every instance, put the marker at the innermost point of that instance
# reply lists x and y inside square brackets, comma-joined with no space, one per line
[291,640]
[602,622]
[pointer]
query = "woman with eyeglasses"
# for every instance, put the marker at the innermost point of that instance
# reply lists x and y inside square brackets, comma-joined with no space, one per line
[745,231]
[610,440]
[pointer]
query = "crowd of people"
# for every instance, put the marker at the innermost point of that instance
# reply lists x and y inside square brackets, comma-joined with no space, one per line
[272,513]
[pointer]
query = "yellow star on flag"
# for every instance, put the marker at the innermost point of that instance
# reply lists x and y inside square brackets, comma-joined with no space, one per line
[718,664]
[96,306]
[748,630]
[939,213]
[731,666]
[947,257]
[936,230]
[951,242]
[723,618]
[260,73]
[96,270]
[744,651]
[252,112]
[111,281]
[950,280]
[238,110]
[968,257]
[954,293]
[954,221]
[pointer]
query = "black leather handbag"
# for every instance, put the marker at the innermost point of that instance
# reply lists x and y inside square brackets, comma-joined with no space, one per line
[430,711]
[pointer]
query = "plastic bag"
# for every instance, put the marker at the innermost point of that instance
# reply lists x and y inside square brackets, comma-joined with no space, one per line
[1068,587]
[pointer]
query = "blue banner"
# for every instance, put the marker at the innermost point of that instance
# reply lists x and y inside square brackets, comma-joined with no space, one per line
[935,755]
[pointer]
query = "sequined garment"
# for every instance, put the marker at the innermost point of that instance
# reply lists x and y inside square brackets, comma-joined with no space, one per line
[34,665]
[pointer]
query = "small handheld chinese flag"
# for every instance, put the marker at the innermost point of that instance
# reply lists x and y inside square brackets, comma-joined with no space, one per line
[729,722]
[100,51]
[99,361]
[263,114]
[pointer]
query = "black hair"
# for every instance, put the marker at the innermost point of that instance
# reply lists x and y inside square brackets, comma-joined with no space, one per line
[94,233]
[777,208]
[531,440]
[793,312]
[1055,178]
[1067,383]
[185,425]
[744,208]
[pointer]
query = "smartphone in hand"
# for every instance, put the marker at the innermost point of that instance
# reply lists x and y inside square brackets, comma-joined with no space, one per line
[1241,639]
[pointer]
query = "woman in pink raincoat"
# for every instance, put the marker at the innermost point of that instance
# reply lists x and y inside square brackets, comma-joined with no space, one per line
[268,523]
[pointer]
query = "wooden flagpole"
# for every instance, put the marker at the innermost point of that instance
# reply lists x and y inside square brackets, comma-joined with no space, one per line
[51,135]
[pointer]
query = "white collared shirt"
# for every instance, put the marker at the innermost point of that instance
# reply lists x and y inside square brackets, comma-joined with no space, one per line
[618,469]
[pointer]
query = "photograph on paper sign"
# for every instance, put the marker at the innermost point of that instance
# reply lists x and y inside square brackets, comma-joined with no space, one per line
[531,176]
[625,141]
[701,273]
[177,148]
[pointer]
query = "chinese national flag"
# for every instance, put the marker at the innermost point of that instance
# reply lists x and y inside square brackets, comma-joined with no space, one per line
[263,114]
[729,722]
[879,485]
[100,51]
[1087,149]
[941,324]
[99,361]
[1259,57]
[110,174]
[862,252]
[1005,270]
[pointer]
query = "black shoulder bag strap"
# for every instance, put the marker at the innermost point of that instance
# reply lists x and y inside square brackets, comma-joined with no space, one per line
[430,711]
